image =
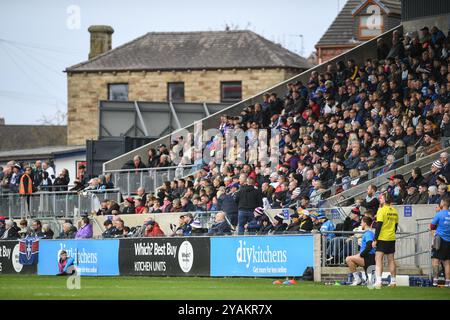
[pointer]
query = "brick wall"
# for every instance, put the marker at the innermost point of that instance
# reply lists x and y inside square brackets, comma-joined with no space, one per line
[86,89]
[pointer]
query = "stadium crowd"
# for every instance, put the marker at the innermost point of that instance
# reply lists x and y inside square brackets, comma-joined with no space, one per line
[341,124]
[26,178]
[335,128]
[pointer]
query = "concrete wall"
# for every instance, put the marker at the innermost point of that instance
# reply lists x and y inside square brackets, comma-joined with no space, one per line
[441,21]
[86,89]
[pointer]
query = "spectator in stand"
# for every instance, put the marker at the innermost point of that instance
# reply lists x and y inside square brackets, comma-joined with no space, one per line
[37,173]
[49,169]
[413,196]
[248,198]
[423,194]
[85,230]
[152,229]
[78,186]
[444,159]
[294,226]
[371,201]
[10,232]
[109,229]
[139,206]
[220,226]
[279,226]
[103,208]
[186,228]
[442,192]
[37,229]
[436,169]
[416,177]
[119,228]
[253,226]
[15,178]
[46,182]
[68,232]
[62,181]
[25,230]
[136,163]
[48,232]
[153,158]
[129,207]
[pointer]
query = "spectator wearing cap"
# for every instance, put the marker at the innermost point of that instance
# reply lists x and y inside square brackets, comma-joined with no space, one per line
[254,225]
[353,220]
[15,178]
[413,195]
[436,169]
[279,226]
[399,191]
[294,225]
[325,225]
[129,207]
[197,228]
[152,229]
[306,224]
[220,226]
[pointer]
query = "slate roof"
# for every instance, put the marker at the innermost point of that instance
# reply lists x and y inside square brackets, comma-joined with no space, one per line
[342,30]
[14,137]
[194,50]
[391,7]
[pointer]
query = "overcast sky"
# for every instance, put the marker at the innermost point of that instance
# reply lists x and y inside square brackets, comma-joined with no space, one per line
[39,39]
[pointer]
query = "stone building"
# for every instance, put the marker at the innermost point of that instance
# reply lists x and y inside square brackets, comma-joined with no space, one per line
[213,66]
[357,22]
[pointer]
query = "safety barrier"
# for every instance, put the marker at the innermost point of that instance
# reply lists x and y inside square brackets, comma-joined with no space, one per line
[255,256]
[128,181]
[60,204]
[412,249]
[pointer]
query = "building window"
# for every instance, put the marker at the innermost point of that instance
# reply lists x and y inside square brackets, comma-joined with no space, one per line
[230,91]
[370,26]
[175,91]
[118,91]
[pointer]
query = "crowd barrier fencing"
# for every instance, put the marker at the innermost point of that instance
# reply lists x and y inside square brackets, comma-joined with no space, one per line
[128,181]
[58,204]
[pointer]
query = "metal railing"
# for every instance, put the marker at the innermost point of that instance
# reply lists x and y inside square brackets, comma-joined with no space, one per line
[424,163]
[373,174]
[411,249]
[61,204]
[128,181]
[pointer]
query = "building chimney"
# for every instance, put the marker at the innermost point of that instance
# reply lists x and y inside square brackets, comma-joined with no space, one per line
[100,40]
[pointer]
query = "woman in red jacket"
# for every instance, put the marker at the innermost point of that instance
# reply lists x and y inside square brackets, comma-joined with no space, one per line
[152,229]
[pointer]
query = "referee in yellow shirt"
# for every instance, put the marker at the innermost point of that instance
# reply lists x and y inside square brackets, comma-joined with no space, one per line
[385,229]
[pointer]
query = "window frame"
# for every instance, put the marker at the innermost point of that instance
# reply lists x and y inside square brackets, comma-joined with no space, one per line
[168,91]
[222,98]
[118,83]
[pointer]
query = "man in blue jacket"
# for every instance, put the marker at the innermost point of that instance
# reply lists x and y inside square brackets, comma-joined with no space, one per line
[441,244]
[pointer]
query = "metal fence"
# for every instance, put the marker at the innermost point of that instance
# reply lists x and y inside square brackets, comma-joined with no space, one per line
[412,249]
[61,204]
[128,181]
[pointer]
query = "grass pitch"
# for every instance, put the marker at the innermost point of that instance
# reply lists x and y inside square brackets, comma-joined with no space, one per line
[172,288]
